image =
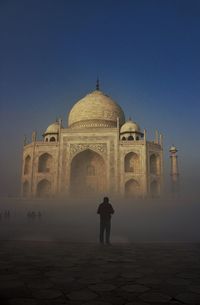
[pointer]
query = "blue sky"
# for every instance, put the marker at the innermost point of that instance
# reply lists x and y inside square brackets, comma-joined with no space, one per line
[146,54]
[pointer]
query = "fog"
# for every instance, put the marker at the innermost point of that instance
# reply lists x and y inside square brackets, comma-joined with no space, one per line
[174,218]
[170,218]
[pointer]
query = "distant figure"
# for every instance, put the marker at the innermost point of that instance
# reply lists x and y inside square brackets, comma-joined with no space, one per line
[105,210]
[33,215]
[6,213]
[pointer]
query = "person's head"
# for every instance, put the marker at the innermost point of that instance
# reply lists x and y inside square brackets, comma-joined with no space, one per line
[105,199]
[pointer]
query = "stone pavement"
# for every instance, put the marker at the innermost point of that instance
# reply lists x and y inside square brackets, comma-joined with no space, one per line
[56,273]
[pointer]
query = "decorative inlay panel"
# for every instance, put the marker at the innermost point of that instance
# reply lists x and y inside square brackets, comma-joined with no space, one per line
[100,148]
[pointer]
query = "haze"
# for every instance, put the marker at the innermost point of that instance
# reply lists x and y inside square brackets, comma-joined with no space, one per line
[146,54]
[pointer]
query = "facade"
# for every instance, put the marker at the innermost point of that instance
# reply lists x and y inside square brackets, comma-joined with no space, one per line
[98,153]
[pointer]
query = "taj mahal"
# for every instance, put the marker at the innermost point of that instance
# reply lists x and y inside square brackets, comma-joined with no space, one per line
[99,152]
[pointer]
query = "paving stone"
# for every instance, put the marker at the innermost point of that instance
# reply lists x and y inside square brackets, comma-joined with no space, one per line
[12,285]
[97,303]
[39,284]
[181,282]
[170,289]
[68,287]
[145,270]
[108,276]
[62,283]
[149,281]
[135,288]
[14,293]
[132,275]
[102,287]
[195,288]
[136,303]
[55,274]
[156,297]
[189,298]
[47,294]
[113,299]
[82,295]
[8,277]
[187,275]
[90,280]
[129,296]
[58,301]
[29,272]
[20,301]
[75,274]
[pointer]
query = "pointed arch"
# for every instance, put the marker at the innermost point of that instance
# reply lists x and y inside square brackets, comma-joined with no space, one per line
[132,188]
[45,163]
[130,138]
[131,162]
[155,164]
[88,173]
[44,188]
[27,165]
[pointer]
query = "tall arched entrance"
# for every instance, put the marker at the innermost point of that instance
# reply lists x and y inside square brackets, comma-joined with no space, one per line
[132,188]
[154,164]
[88,174]
[44,188]
[45,163]
[27,165]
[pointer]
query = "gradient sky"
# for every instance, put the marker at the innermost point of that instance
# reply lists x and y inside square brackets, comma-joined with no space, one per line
[146,53]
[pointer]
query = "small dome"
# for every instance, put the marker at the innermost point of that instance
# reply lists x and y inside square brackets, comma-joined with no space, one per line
[96,109]
[130,126]
[173,149]
[52,129]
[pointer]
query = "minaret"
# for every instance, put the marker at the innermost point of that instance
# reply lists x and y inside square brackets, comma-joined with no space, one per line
[174,169]
[156,137]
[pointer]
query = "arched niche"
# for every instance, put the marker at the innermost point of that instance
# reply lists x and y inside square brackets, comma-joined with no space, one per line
[132,188]
[44,188]
[155,164]
[25,189]
[130,138]
[27,165]
[88,173]
[131,163]
[45,163]
[52,139]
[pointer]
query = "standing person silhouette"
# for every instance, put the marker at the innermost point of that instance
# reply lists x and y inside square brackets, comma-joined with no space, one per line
[105,210]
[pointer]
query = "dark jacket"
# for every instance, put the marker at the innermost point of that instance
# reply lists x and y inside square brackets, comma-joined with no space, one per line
[105,210]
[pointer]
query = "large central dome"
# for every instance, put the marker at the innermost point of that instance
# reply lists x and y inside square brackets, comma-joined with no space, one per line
[96,109]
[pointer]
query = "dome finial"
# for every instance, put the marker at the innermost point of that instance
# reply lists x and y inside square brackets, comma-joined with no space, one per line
[97,84]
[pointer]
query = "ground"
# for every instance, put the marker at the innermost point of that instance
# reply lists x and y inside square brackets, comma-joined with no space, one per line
[39,272]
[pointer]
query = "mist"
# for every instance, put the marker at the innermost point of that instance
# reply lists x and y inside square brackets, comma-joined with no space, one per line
[173,218]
